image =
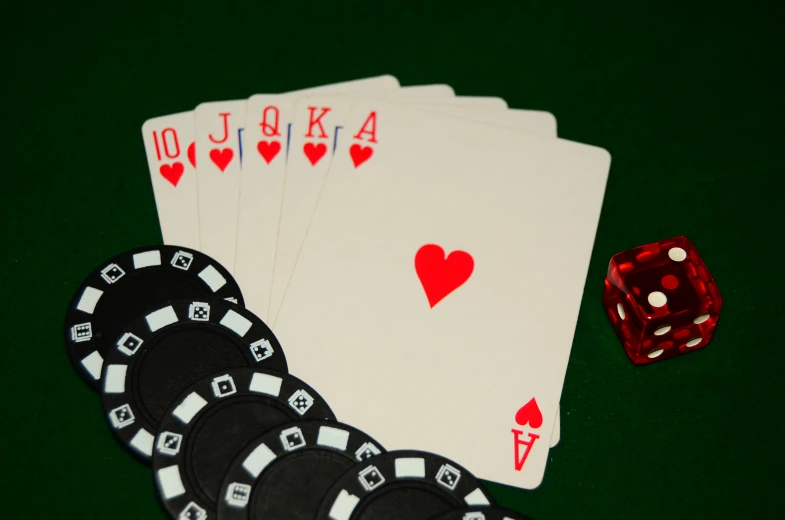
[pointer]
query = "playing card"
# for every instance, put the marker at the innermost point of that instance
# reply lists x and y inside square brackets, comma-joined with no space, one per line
[316,128]
[217,127]
[169,146]
[539,122]
[440,283]
[262,176]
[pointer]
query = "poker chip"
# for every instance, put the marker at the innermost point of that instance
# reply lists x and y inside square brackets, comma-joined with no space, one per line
[482,513]
[167,349]
[286,472]
[212,421]
[415,485]
[127,285]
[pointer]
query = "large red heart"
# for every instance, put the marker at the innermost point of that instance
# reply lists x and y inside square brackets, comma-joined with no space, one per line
[268,150]
[529,413]
[439,275]
[314,152]
[172,173]
[192,154]
[360,154]
[221,157]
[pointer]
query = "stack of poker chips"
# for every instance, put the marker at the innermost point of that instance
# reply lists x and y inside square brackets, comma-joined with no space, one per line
[196,386]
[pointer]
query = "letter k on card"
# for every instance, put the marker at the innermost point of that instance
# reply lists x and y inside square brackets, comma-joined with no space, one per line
[317,135]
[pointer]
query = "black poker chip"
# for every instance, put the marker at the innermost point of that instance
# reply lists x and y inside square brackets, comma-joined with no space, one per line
[167,349]
[415,485]
[211,422]
[483,513]
[126,286]
[285,473]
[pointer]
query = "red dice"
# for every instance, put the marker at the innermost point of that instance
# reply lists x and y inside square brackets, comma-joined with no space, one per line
[661,299]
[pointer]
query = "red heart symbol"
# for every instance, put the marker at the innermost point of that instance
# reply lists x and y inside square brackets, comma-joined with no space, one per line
[360,154]
[172,173]
[529,413]
[268,150]
[221,157]
[439,275]
[314,152]
[192,154]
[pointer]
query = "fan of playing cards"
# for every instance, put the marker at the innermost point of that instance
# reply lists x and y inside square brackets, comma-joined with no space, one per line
[420,256]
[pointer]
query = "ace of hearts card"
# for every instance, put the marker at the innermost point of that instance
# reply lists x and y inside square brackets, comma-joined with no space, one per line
[440,281]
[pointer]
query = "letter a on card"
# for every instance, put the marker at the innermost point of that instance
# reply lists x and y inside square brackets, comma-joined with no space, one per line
[361,149]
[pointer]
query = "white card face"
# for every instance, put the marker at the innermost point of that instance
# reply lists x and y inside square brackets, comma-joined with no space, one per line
[217,127]
[440,283]
[538,122]
[169,146]
[264,142]
[438,90]
[309,161]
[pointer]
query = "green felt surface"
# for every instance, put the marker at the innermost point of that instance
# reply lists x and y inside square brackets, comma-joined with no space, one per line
[688,98]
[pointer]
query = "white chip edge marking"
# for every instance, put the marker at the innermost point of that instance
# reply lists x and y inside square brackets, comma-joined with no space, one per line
[662,330]
[93,363]
[477,498]
[147,259]
[412,467]
[620,310]
[212,278]
[89,299]
[189,407]
[691,343]
[114,381]
[677,254]
[344,505]
[161,318]
[265,384]
[258,459]
[333,438]
[143,442]
[237,323]
[170,482]
[700,319]
[655,353]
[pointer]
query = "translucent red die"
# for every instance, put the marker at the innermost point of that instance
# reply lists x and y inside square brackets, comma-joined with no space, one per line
[661,299]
